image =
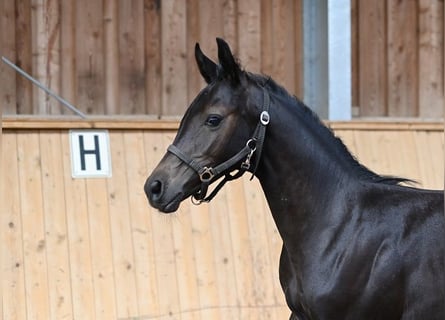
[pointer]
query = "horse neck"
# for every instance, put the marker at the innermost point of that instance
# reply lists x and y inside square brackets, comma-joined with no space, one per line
[300,171]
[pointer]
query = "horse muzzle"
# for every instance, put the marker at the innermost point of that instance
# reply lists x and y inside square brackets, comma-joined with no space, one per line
[155,190]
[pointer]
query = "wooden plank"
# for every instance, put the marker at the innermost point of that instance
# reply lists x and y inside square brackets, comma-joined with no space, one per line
[23,44]
[76,210]
[56,233]
[267,38]
[431,58]
[205,263]
[284,43]
[122,245]
[33,226]
[131,57]
[137,168]
[164,255]
[90,57]
[148,123]
[372,80]
[263,284]
[101,246]
[275,244]
[194,80]
[249,44]
[211,25]
[68,52]
[174,63]
[8,45]
[111,55]
[153,53]
[402,57]
[12,260]
[121,122]
[243,263]
[230,24]
[223,255]
[45,16]
[186,262]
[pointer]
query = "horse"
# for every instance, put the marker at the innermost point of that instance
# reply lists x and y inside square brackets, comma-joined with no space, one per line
[356,244]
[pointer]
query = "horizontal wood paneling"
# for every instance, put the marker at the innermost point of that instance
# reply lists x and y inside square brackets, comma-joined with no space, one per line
[94,249]
[136,57]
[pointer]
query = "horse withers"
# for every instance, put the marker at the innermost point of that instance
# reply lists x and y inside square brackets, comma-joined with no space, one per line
[356,245]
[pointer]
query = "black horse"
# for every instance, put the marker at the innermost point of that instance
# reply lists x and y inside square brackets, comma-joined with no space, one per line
[356,245]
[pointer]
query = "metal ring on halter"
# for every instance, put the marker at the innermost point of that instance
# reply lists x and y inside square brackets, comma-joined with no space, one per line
[249,144]
[264,118]
[197,202]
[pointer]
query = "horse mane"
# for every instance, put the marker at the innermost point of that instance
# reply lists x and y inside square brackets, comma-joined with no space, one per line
[312,119]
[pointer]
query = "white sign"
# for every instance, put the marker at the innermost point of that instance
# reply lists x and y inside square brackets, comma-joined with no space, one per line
[90,154]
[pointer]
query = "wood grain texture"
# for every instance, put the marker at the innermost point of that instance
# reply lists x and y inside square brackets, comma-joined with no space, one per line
[136,57]
[12,257]
[8,45]
[372,58]
[94,249]
[431,59]
[402,58]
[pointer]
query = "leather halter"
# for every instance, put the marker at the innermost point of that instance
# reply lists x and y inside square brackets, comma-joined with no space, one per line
[207,174]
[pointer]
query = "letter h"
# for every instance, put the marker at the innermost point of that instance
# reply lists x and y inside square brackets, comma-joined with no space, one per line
[94,151]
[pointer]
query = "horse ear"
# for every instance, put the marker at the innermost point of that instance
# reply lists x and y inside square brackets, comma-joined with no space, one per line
[207,67]
[228,63]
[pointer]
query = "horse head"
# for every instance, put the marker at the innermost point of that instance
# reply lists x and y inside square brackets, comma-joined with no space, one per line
[214,137]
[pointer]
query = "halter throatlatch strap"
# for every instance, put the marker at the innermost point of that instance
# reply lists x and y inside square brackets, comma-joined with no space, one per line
[209,174]
[260,131]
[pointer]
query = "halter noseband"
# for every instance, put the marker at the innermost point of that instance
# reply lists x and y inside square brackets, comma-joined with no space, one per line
[207,173]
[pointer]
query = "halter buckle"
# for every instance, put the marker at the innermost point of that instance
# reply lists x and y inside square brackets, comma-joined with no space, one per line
[206,174]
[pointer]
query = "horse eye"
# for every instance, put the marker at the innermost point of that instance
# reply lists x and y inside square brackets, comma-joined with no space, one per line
[213,120]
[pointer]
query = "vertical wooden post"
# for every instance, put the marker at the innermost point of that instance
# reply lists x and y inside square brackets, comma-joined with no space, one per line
[152,37]
[24,55]
[131,57]
[431,58]
[45,18]
[249,26]
[111,57]
[174,57]
[372,56]
[402,58]
[68,51]
[90,56]
[8,49]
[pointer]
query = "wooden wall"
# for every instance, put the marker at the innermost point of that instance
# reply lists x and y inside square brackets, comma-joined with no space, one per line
[398,58]
[94,249]
[136,56]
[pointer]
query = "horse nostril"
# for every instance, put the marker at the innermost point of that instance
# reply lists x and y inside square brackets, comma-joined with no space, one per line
[156,187]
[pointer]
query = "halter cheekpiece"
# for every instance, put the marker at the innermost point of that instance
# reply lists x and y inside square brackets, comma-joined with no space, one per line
[253,146]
